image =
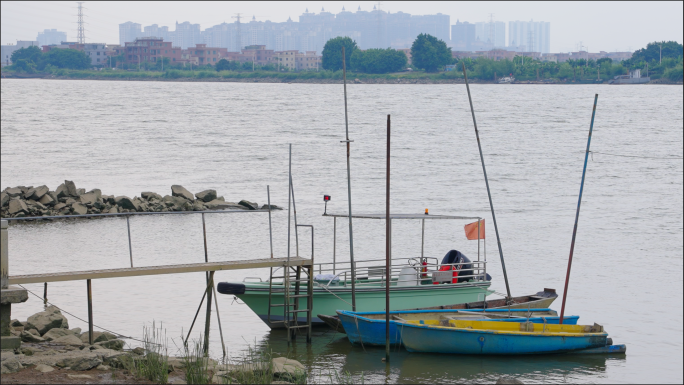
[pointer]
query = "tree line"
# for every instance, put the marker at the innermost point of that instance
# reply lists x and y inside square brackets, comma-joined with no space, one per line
[33,59]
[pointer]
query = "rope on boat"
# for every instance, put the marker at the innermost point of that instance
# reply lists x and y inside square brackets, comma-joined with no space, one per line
[635,156]
[326,289]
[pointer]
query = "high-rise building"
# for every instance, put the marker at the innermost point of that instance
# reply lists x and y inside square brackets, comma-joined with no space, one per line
[51,36]
[530,36]
[491,33]
[462,36]
[186,35]
[156,31]
[128,32]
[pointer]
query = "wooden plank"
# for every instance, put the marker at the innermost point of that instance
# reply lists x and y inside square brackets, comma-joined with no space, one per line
[156,270]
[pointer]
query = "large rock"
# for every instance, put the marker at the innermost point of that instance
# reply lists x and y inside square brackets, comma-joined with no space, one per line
[44,368]
[13,192]
[36,193]
[113,344]
[47,200]
[71,189]
[89,198]
[68,339]
[150,195]
[56,333]
[80,363]
[206,195]
[60,206]
[30,337]
[80,191]
[4,198]
[98,337]
[109,199]
[50,318]
[17,206]
[79,209]
[221,205]
[198,206]
[177,203]
[249,205]
[11,365]
[61,191]
[124,202]
[286,367]
[180,191]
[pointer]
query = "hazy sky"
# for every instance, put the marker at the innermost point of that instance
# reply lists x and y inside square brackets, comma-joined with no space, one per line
[607,26]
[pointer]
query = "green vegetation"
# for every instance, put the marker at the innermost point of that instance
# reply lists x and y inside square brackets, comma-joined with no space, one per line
[332,53]
[154,366]
[32,60]
[378,61]
[649,59]
[429,53]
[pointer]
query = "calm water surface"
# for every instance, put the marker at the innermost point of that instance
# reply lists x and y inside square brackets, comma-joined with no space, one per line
[128,137]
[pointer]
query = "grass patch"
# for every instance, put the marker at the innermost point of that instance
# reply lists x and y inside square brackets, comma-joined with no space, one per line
[154,366]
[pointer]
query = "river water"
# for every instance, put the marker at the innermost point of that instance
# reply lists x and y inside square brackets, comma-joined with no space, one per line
[128,137]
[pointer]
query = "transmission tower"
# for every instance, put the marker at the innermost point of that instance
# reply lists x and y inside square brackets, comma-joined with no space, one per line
[491,29]
[81,29]
[238,38]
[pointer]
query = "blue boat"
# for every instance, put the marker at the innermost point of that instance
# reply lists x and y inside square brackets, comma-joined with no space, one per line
[368,328]
[486,337]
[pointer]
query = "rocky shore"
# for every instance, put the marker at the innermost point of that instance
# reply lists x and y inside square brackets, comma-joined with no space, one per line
[53,353]
[67,199]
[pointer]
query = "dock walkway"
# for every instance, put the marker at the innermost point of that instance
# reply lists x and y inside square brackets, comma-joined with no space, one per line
[156,270]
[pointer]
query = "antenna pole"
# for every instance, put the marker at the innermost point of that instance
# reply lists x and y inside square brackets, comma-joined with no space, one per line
[489,194]
[579,203]
[351,232]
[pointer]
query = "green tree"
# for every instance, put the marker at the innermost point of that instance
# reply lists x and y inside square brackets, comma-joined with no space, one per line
[671,49]
[332,53]
[430,53]
[378,61]
[66,58]
[31,53]
[222,65]
[24,65]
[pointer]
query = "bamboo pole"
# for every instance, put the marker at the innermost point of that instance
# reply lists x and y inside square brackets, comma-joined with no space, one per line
[579,203]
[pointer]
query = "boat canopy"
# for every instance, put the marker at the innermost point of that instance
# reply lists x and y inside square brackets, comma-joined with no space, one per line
[399,216]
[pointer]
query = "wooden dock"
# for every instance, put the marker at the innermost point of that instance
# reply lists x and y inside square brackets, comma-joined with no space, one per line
[156,270]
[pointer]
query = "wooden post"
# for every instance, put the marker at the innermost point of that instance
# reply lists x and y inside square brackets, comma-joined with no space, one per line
[90,312]
[210,286]
[388,241]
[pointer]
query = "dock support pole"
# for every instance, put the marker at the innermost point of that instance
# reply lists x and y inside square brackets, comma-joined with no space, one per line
[130,248]
[90,312]
[579,203]
[210,286]
[45,294]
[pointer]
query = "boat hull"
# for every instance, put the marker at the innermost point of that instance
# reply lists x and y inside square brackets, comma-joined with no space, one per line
[327,302]
[431,339]
[367,331]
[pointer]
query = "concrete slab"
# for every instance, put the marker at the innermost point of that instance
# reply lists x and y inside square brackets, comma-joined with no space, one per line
[13,294]
[10,342]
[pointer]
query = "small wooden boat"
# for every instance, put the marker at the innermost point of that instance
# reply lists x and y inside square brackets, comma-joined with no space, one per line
[368,328]
[487,337]
[542,299]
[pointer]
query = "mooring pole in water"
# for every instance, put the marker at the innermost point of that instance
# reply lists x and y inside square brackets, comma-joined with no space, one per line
[286,269]
[90,312]
[45,294]
[489,194]
[270,228]
[579,203]
[387,249]
[351,232]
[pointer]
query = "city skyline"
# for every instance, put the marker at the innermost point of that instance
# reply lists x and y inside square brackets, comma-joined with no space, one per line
[21,21]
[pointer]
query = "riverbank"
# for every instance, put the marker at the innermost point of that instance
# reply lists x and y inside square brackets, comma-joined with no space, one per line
[67,199]
[296,78]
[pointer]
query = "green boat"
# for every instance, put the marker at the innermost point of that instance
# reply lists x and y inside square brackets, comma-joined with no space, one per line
[414,283]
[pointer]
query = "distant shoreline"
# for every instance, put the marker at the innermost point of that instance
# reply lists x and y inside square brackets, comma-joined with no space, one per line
[353,80]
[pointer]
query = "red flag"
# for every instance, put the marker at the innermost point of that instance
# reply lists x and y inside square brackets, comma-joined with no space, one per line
[471,230]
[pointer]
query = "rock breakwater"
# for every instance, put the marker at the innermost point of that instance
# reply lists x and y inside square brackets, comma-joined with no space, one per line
[67,199]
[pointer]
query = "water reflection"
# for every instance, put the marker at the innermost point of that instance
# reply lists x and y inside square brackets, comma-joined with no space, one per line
[332,350]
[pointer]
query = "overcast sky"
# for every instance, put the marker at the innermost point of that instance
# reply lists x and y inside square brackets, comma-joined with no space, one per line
[600,26]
